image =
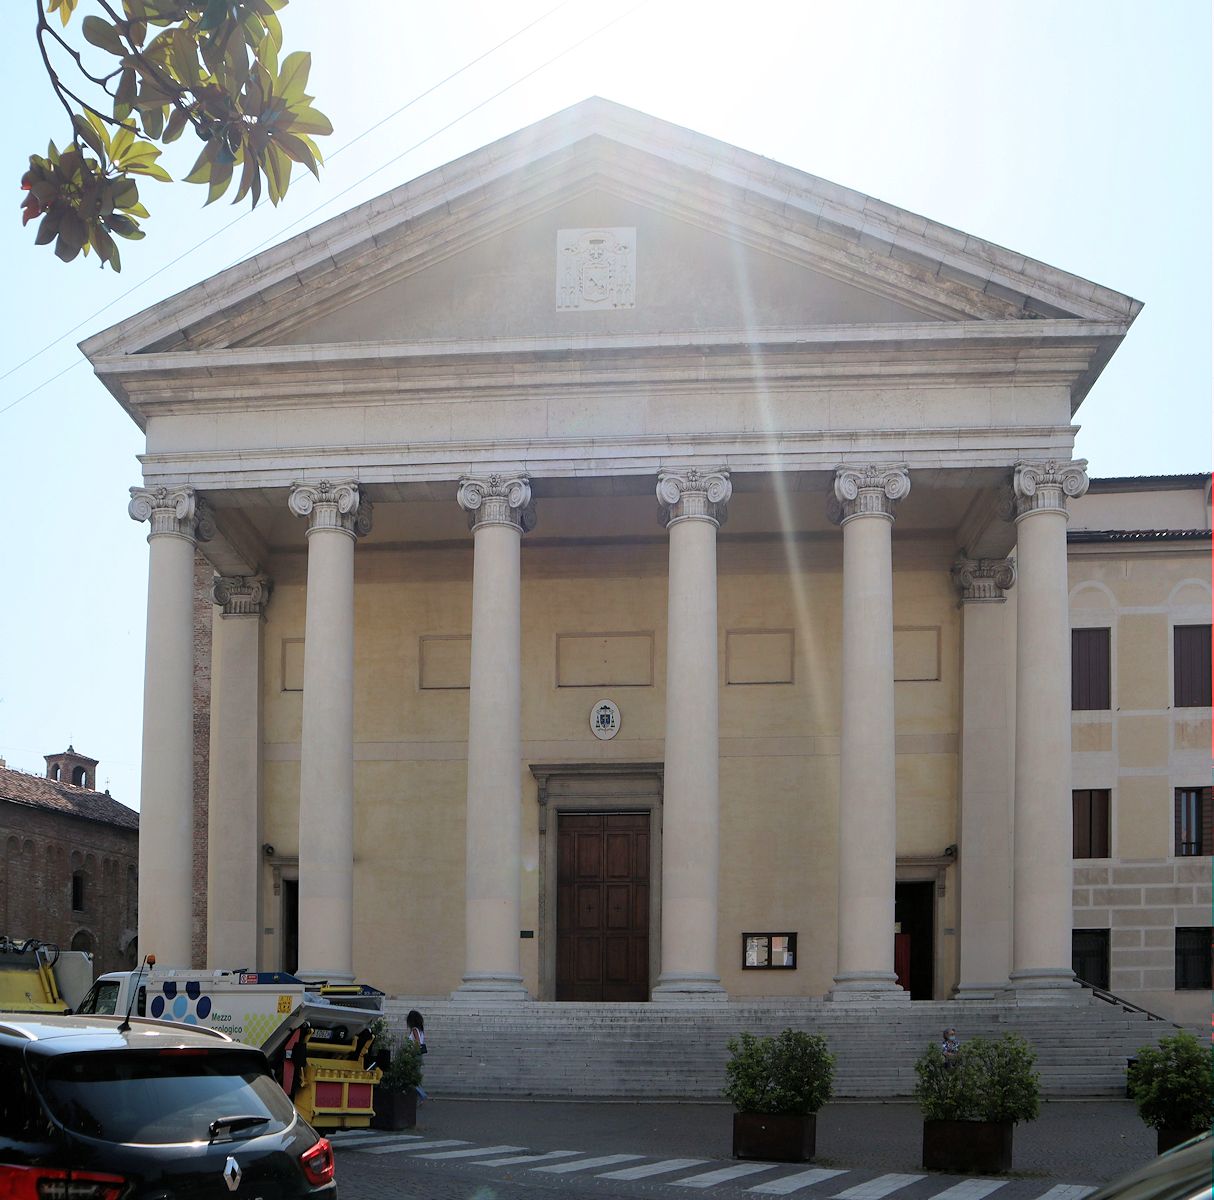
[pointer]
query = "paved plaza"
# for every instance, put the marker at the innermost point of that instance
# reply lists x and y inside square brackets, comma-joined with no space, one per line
[495,1150]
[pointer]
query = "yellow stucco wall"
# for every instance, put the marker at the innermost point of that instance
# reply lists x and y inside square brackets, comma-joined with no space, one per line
[779,741]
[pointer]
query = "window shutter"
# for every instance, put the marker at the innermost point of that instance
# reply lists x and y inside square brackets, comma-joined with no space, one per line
[1205,821]
[1090,669]
[1191,666]
[1080,810]
[1100,824]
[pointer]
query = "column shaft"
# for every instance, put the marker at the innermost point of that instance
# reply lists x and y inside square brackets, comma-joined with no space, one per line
[166,886]
[984,869]
[337,515]
[234,915]
[694,508]
[1041,940]
[867,791]
[499,512]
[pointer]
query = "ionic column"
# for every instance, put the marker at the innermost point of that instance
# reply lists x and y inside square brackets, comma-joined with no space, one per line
[865,499]
[179,519]
[984,890]
[337,515]
[692,507]
[1041,936]
[234,868]
[499,513]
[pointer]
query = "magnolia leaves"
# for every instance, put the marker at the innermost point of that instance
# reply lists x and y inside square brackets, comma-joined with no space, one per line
[207,65]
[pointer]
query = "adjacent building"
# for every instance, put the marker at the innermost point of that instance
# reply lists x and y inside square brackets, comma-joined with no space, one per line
[641,573]
[70,866]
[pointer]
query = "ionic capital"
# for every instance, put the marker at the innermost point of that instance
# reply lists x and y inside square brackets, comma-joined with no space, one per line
[177,512]
[1045,486]
[242,595]
[984,579]
[868,491]
[328,505]
[693,495]
[497,500]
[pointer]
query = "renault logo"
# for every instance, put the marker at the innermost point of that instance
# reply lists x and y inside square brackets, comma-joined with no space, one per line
[231,1174]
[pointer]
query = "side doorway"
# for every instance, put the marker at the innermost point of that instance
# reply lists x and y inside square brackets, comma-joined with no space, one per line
[914,937]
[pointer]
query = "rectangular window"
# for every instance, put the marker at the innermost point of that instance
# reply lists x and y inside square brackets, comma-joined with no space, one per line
[1191,666]
[1090,672]
[1090,956]
[1090,811]
[78,892]
[1193,960]
[1193,822]
[769,951]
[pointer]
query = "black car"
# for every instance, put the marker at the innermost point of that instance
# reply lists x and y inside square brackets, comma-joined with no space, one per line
[94,1108]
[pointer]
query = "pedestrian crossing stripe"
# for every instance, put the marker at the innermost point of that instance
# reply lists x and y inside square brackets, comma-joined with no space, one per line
[563,1162]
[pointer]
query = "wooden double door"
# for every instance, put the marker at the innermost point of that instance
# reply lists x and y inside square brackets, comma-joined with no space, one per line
[602,911]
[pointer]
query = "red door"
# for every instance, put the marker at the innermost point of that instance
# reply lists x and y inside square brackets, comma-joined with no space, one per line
[602,909]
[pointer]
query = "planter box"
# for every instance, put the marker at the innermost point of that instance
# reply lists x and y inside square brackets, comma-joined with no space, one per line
[1169,1139]
[967,1146]
[394,1110]
[774,1137]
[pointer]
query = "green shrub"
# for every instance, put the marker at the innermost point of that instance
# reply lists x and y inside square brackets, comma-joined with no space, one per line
[1173,1083]
[404,1069]
[984,1081]
[790,1073]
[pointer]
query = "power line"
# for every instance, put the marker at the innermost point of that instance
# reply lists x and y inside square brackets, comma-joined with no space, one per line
[242,215]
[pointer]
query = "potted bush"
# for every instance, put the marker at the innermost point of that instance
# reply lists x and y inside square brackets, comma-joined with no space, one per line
[972,1101]
[1173,1086]
[395,1097]
[776,1085]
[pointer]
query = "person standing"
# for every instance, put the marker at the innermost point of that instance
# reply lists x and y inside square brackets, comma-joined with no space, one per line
[417,1035]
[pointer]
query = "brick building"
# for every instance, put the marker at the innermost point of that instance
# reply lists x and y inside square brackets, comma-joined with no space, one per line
[70,867]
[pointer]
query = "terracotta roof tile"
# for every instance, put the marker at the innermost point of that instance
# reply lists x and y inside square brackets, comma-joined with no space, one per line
[36,791]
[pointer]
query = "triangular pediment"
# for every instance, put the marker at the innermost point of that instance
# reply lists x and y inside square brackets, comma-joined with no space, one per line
[724,240]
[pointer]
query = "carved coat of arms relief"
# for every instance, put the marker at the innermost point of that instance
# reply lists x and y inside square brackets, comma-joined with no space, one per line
[595,269]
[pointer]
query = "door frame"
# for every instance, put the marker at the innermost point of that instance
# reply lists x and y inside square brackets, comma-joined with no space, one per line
[585,788]
[934,868]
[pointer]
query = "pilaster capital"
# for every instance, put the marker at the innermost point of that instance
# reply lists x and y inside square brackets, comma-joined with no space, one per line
[327,505]
[1045,486]
[242,595]
[693,495]
[176,511]
[497,500]
[868,491]
[984,579]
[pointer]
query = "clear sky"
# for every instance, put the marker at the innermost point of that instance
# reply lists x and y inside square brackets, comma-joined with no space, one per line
[1077,133]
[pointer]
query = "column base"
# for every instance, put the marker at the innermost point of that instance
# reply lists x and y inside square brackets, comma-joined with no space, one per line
[675,988]
[334,976]
[487,988]
[867,987]
[1045,985]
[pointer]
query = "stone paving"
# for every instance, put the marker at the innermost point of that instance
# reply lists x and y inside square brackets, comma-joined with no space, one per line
[1073,1146]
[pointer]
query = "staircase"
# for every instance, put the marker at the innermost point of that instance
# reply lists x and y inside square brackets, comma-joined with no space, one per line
[658,1052]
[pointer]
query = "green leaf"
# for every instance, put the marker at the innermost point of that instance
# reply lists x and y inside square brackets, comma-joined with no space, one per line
[200,172]
[309,120]
[298,150]
[87,134]
[102,34]
[221,176]
[293,75]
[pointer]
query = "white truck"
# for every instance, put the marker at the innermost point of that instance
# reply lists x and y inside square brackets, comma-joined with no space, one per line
[316,1036]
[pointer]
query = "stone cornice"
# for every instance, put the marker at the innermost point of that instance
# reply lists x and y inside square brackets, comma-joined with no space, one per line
[868,491]
[327,505]
[497,500]
[983,580]
[173,511]
[977,353]
[242,595]
[693,495]
[1046,486]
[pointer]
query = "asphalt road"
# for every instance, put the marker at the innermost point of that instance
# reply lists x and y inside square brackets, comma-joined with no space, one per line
[503,1150]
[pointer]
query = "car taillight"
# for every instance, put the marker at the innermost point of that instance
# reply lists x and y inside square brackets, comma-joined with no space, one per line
[47,1183]
[317,1163]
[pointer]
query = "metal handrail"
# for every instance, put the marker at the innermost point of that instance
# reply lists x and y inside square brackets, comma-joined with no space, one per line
[1121,1002]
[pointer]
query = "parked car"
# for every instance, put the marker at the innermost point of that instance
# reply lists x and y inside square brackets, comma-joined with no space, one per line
[1180,1174]
[97,1108]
